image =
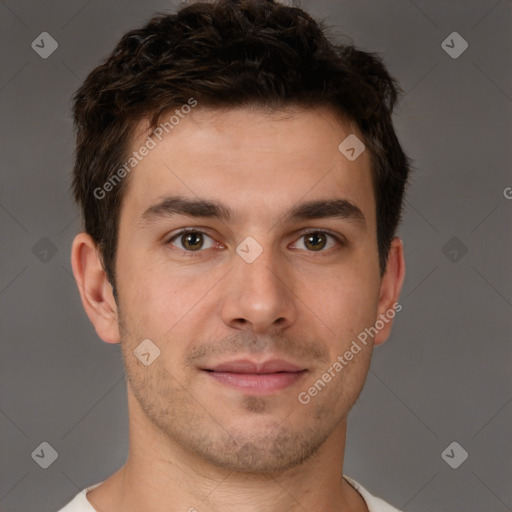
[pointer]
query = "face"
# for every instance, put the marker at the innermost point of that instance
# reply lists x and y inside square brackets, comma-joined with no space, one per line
[279,267]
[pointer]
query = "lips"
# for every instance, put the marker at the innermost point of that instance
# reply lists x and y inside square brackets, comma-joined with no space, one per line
[256,378]
[247,366]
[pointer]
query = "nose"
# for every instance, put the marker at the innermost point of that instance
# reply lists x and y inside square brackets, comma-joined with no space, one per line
[258,296]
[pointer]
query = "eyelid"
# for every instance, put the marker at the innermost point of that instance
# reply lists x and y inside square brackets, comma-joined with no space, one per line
[183,231]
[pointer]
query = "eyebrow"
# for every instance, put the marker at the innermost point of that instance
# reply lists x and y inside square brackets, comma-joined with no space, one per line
[205,208]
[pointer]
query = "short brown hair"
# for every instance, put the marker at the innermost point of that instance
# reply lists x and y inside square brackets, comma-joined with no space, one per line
[229,53]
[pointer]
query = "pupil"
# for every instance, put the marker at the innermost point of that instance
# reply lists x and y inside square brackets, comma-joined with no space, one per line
[315,241]
[192,241]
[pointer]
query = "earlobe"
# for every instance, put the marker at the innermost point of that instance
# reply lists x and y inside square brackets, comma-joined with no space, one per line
[95,290]
[390,288]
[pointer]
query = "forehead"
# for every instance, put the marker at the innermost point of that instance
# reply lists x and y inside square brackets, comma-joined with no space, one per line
[260,163]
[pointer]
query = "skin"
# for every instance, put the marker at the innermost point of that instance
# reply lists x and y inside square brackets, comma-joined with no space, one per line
[196,443]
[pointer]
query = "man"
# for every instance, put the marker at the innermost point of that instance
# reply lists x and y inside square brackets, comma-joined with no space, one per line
[240,184]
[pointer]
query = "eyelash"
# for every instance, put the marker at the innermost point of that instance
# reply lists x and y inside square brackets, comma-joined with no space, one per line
[341,242]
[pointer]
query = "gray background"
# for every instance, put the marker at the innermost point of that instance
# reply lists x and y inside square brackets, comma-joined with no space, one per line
[443,376]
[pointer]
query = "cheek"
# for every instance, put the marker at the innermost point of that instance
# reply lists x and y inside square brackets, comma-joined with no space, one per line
[346,299]
[160,299]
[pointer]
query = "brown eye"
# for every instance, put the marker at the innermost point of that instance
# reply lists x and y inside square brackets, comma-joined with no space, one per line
[192,241]
[318,241]
[315,241]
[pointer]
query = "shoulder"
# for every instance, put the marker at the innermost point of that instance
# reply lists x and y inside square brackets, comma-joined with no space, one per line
[373,503]
[80,503]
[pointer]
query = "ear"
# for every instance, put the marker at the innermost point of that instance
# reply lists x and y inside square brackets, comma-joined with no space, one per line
[390,288]
[95,290]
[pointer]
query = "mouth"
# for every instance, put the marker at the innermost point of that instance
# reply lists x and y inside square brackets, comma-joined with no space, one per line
[256,378]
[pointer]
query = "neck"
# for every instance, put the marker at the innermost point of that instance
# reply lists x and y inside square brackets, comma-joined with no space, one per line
[160,475]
